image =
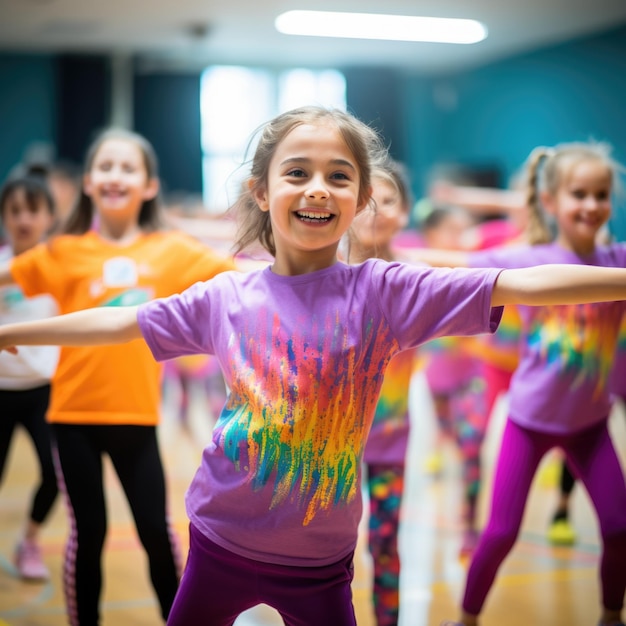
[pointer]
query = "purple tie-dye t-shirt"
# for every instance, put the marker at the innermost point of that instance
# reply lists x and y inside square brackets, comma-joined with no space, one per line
[561,384]
[304,358]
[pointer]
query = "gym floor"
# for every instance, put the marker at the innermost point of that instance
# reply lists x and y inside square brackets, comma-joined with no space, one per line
[537,585]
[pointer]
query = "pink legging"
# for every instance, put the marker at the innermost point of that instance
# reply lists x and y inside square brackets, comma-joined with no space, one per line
[592,458]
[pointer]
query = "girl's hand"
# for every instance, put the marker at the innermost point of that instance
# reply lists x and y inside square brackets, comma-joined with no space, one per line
[6,344]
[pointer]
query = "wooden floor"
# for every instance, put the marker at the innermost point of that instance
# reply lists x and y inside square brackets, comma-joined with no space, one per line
[537,585]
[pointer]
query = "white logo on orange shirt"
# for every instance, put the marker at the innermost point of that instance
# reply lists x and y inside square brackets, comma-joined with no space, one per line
[119,272]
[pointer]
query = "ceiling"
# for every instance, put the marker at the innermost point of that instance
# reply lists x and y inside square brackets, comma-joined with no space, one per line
[194,33]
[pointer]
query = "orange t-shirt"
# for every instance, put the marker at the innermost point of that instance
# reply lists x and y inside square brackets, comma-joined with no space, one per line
[117,384]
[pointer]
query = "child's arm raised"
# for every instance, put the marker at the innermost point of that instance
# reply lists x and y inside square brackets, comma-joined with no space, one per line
[480,200]
[98,326]
[559,284]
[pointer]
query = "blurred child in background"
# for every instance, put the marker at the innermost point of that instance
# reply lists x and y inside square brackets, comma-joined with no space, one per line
[27,215]
[371,236]
[185,376]
[106,400]
[454,376]
[560,393]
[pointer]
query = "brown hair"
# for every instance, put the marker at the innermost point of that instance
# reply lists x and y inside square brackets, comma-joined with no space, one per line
[81,217]
[548,168]
[35,189]
[362,141]
[397,175]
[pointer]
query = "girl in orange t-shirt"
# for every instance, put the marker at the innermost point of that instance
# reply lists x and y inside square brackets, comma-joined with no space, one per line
[105,400]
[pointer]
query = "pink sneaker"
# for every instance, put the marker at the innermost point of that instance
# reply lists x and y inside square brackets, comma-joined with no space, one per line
[29,563]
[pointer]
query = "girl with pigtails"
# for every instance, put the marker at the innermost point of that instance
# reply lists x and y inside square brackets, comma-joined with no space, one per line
[560,392]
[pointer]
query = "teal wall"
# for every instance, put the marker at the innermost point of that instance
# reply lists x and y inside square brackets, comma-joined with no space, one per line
[167,112]
[498,113]
[27,105]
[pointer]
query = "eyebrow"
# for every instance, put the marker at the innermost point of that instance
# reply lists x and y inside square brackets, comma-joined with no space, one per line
[338,162]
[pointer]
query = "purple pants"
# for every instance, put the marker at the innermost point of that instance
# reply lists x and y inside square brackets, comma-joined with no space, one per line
[592,458]
[218,585]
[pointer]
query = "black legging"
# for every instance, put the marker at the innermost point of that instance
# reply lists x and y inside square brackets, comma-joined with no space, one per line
[134,453]
[28,408]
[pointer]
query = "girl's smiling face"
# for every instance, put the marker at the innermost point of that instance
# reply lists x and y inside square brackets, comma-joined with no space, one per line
[118,182]
[373,230]
[311,193]
[581,205]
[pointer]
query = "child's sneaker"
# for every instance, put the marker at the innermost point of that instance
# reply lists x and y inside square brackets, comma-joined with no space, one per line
[561,533]
[549,473]
[29,563]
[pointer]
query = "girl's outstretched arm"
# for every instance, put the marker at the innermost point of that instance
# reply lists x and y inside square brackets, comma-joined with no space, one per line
[559,284]
[481,200]
[98,326]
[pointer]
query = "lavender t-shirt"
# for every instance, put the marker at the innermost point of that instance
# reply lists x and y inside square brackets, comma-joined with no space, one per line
[561,383]
[304,357]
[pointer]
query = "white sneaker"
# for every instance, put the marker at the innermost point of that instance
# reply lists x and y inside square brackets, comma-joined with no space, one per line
[29,562]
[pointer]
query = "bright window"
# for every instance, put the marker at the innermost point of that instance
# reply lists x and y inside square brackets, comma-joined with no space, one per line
[235,101]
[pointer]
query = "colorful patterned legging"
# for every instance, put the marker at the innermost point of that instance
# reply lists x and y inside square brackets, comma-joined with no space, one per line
[386,485]
[462,415]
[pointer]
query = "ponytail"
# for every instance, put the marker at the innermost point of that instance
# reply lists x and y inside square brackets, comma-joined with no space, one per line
[537,231]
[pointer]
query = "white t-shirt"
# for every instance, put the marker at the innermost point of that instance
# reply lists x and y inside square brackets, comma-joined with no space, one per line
[33,366]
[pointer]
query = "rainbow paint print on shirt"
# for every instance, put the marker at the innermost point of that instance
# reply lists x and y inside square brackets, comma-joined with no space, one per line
[298,413]
[580,339]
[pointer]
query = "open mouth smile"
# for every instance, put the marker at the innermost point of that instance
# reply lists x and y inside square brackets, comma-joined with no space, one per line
[314,217]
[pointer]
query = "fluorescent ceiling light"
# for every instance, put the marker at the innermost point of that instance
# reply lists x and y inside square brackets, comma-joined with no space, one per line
[379,26]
